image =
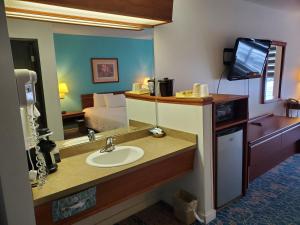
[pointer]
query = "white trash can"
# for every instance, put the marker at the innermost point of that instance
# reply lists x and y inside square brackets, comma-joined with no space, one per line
[185,205]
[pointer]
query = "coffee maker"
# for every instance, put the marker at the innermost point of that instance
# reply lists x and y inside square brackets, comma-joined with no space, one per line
[48,150]
[166,87]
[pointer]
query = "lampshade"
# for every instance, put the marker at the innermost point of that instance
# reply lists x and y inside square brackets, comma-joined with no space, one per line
[63,89]
[146,80]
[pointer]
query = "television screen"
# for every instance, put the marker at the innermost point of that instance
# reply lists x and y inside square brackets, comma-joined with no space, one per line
[249,58]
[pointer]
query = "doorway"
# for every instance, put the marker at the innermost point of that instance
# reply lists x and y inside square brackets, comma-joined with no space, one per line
[25,54]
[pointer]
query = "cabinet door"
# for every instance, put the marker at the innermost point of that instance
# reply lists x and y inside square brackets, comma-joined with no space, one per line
[289,141]
[264,156]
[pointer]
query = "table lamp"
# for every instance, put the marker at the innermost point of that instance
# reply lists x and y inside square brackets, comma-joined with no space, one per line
[63,90]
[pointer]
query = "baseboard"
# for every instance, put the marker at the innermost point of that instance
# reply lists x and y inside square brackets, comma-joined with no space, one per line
[123,210]
[209,216]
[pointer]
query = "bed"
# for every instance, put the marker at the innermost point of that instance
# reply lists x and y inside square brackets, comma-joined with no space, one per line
[103,118]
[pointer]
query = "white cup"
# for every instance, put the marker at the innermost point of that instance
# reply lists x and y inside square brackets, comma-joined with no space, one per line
[204,90]
[196,89]
[136,86]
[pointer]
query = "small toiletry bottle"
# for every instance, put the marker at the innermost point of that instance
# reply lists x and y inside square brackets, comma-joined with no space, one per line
[151,85]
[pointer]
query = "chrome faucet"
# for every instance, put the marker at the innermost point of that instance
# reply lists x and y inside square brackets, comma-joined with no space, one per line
[91,135]
[109,146]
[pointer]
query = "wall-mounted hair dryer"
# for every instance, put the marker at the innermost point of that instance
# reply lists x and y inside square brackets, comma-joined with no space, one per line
[26,81]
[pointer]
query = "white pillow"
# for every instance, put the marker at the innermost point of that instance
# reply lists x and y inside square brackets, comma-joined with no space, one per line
[114,101]
[98,100]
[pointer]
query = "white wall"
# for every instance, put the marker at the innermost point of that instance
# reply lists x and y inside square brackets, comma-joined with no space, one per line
[16,205]
[43,33]
[141,111]
[196,120]
[190,49]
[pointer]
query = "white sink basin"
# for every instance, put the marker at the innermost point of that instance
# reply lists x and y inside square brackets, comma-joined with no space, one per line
[122,155]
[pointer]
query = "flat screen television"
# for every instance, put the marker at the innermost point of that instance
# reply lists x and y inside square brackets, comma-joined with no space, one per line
[249,58]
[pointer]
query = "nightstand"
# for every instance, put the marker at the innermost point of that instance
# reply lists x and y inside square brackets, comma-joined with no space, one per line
[74,124]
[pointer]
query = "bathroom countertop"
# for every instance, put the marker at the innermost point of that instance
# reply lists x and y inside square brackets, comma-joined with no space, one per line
[74,174]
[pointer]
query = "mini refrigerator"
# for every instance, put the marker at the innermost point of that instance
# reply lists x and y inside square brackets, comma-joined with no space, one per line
[229,165]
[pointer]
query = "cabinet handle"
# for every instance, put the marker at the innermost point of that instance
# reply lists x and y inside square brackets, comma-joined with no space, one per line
[266,140]
[277,135]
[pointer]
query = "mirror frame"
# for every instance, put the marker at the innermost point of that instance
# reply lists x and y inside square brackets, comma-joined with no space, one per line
[278,97]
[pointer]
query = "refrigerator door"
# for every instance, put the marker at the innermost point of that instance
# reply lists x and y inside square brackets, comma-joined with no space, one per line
[229,166]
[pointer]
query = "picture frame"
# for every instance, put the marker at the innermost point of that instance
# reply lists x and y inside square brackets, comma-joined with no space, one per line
[105,70]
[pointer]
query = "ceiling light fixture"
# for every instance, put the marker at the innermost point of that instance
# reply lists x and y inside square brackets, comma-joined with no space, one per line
[51,13]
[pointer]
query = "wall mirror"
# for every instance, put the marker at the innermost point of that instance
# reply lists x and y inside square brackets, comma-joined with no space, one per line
[92,68]
[93,74]
[272,78]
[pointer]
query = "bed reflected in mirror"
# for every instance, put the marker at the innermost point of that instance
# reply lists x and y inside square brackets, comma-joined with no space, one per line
[94,72]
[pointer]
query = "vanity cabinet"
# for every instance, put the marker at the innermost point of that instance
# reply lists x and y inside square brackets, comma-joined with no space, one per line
[122,186]
[272,139]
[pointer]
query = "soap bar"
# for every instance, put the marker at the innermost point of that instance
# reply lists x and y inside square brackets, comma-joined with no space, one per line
[73,204]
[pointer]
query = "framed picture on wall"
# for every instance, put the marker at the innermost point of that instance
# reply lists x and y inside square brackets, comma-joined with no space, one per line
[105,70]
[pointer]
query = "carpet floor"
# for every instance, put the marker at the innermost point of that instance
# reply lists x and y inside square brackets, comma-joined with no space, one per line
[272,199]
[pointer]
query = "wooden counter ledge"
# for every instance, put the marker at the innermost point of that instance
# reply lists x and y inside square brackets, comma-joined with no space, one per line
[171,100]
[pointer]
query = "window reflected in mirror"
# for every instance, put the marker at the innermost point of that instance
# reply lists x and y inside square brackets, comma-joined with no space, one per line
[272,78]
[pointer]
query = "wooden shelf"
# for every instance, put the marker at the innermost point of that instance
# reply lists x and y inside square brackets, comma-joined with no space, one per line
[231,123]
[240,112]
[171,99]
[224,98]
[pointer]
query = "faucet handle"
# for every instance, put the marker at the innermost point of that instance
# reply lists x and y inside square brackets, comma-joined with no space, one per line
[91,135]
[110,140]
[91,131]
[114,139]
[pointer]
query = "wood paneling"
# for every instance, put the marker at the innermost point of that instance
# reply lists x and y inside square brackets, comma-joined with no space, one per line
[126,186]
[150,9]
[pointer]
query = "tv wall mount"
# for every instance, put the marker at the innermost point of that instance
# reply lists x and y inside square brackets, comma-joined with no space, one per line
[227,56]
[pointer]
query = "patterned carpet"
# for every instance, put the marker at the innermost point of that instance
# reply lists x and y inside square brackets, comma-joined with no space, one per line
[272,199]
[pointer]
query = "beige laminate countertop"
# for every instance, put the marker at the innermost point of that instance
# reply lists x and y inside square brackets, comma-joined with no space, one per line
[74,174]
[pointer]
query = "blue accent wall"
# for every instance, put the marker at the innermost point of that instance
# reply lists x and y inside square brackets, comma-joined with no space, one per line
[73,59]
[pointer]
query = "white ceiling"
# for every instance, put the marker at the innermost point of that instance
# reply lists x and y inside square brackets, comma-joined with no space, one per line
[279,4]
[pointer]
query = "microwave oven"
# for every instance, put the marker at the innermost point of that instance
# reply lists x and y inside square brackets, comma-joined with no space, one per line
[225,112]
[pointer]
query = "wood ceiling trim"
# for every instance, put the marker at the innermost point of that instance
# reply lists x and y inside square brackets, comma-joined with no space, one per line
[147,9]
[63,16]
